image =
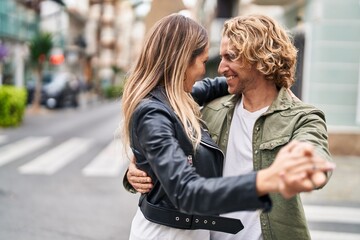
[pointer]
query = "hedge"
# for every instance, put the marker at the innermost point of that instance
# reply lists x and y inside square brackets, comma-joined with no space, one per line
[12,105]
[113,91]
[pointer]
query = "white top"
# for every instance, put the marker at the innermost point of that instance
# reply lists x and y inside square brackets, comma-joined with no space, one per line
[239,161]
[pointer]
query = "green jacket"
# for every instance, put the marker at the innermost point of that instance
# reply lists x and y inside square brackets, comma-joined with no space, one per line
[286,119]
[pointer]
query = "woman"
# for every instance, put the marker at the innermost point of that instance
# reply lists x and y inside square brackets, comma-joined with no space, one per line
[169,141]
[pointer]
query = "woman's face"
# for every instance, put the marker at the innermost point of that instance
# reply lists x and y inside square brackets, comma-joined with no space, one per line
[196,70]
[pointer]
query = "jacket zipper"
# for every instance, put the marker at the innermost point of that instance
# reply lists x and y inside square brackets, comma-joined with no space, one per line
[213,147]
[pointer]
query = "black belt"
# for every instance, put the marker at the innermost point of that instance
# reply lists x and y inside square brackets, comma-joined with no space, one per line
[175,219]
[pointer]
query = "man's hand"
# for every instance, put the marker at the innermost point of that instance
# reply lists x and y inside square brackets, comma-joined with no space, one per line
[138,179]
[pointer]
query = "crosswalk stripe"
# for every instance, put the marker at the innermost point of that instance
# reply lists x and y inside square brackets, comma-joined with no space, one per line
[3,139]
[22,147]
[108,162]
[332,214]
[56,158]
[324,235]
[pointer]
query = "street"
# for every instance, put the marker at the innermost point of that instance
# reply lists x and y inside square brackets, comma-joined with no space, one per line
[61,179]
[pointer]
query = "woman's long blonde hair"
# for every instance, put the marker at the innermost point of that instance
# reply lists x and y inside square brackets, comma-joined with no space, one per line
[171,46]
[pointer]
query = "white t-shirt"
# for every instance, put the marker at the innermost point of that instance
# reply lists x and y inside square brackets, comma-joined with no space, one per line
[239,160]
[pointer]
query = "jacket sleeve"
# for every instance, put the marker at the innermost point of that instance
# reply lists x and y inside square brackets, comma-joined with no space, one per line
[208,89]
[311,127]
[164,160]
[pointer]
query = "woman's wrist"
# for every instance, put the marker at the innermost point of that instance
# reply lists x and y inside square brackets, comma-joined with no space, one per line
[267,182]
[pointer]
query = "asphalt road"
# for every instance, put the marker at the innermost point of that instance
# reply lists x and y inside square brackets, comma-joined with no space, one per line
[52,186]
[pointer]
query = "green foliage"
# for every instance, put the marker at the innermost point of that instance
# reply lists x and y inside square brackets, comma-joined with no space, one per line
[12,105]
[112,92]
[40,47]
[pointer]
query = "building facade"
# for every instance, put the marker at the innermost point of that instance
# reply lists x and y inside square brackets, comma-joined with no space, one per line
[18,24]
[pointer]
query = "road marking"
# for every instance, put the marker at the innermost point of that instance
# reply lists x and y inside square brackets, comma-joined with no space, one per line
[332,214]
[108,162]
[58,157]
[3,139]
[322,235]
[22,147]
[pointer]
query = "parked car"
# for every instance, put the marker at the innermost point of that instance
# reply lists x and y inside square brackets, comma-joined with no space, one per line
[58,90]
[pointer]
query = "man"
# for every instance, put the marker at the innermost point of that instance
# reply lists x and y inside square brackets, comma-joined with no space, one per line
[258,60]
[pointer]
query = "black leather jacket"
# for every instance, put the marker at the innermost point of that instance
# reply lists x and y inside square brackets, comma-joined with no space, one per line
[186,180]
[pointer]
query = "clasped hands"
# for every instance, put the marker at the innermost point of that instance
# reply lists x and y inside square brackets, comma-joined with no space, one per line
[295,169]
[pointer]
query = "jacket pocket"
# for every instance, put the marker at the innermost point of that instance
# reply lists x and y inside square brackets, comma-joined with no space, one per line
[274,143]
[270,149]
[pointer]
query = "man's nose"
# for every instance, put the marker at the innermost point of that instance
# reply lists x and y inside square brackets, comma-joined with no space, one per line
[222,67]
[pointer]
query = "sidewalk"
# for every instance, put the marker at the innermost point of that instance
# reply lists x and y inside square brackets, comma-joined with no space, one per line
[343,186]
[85,100]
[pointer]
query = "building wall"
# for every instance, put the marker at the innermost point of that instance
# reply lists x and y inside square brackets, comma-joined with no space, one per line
[55,20]
[332,60]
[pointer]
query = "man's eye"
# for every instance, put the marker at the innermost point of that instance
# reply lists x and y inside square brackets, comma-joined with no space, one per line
[232,56]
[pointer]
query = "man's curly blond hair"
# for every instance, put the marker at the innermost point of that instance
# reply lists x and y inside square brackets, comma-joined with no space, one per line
[260,41]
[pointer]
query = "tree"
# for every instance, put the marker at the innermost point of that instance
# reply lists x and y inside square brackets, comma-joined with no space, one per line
[40,47]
